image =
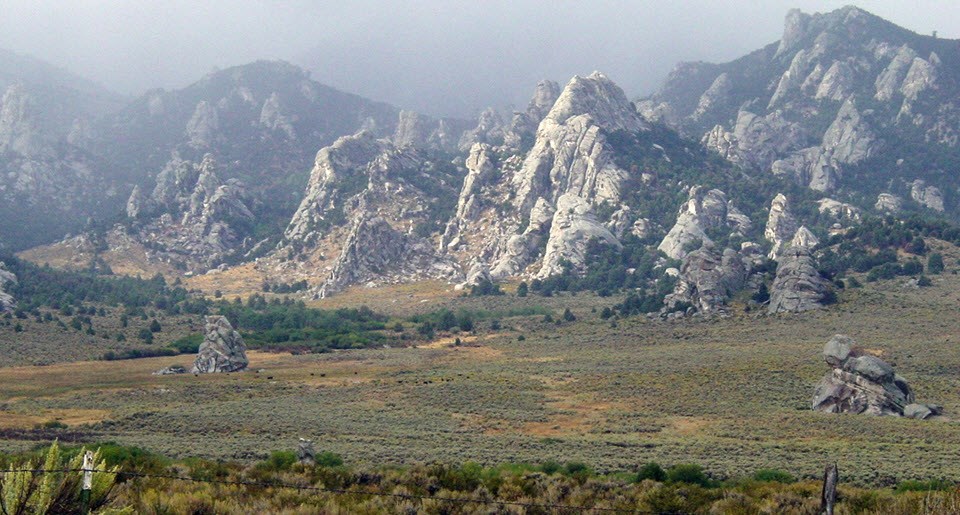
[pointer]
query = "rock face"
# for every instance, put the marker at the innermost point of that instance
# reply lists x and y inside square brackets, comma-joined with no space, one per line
[192,217]
[781,225]
[862,383]
[798,285]
[927,196]
[523,125]
[222,349]
[6,278]
[708,278]
[375,253]
[837,88]
[525,214]
[704,211]
[389,195]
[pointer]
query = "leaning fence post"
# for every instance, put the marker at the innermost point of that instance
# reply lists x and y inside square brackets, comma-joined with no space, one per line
[87,482]
[831,476]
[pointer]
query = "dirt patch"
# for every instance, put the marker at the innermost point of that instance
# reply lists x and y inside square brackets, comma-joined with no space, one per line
[70,417]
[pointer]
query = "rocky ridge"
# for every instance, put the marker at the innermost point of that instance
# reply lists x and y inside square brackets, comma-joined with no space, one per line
[191,217]
[844,86]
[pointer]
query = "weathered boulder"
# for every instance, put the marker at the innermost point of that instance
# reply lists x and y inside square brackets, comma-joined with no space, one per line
[922,411]
[860,382]
[839,210]
[171,370]
[305,453]
[798,285]
[222,349]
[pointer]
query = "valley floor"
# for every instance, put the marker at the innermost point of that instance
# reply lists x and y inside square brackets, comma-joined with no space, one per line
[730,394]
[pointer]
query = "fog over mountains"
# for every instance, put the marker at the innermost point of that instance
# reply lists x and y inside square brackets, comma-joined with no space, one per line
[438,58]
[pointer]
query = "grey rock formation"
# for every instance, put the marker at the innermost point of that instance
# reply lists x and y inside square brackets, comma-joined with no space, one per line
[7,301]
[716,96]
[306,455]
[135,203]
[837,83]
[803,238]
[703,211]
[862,383]
[889,81]
[888,202]
[376,253]
[523,125]
[489,129]
[386,193]
[839,210]
[927,196]
[922,411]
[192,216]
[781,225]
[171,370]
[573,225]
[708,278]
[798,285]
[222,349]
[203,128]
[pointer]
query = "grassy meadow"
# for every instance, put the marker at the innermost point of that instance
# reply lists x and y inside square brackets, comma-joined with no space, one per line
[731,394]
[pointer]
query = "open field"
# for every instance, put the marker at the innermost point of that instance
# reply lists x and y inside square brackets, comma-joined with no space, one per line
[731,394]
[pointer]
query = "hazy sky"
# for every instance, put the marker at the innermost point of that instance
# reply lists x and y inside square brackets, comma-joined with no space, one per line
[444,57]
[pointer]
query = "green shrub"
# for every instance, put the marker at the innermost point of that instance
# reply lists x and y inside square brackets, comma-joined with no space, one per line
[773,476]
[935,263]
[329,459]
[912,485]
[280,460]
[550,467]
[652,471]
[688,473]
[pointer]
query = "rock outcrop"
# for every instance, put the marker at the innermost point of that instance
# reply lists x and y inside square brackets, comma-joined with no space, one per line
[860,382]
[927,196]
[838,87]
[375,253]
[708,278]
[798,285]
[704,211]
[222,349]
[888,202]
[192,217]
[781,225]
[524,215]
[389,195]
[7,278]
[523,126]
[572,227]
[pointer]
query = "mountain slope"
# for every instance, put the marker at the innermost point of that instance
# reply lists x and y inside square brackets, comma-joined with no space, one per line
[846,101]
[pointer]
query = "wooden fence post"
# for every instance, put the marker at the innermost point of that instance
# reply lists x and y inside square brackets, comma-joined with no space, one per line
[87,482]
[831,476]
